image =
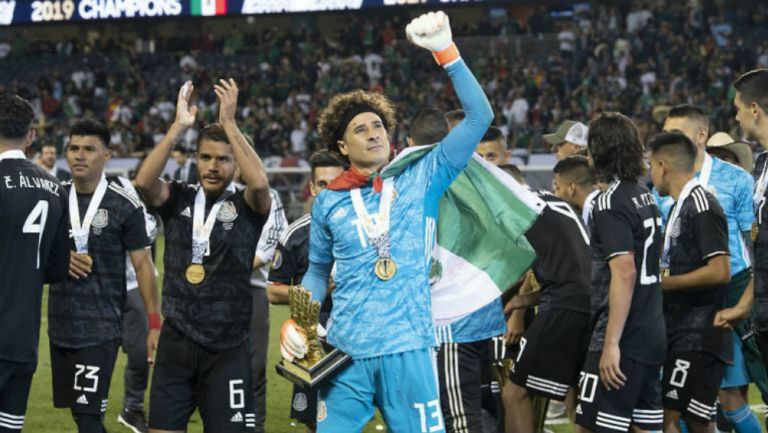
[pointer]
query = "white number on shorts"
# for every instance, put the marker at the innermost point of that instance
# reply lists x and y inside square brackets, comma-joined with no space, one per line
[522,343]
[236,396]
[680,373]
[435,414]
[91,374]
[35,223]
[587,387]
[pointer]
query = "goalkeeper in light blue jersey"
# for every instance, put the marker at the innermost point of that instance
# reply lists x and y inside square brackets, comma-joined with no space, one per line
[380,234]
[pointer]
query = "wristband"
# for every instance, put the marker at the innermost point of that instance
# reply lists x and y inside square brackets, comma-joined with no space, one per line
[446,55]
[155,322]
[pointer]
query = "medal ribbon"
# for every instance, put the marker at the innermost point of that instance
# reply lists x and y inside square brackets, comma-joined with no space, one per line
[81,228]
[376,229]
[673,219]
[201,231]
[758,198]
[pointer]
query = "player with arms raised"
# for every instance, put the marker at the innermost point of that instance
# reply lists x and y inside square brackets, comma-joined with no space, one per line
[381,234]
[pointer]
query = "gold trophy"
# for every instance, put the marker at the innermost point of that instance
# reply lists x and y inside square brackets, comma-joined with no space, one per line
[319,364]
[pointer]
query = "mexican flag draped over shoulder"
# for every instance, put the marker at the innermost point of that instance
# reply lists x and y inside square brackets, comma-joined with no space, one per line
[481,249]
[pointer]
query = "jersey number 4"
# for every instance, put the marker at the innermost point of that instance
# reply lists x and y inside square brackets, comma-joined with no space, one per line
[35,223]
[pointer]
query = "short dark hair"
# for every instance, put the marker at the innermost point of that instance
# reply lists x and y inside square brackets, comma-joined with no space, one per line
[689,112]
[514,171]
[576,169]
[90,126]
[615,147]
[753,87]
[47,144]
[455,116]
[325,158]
[213,132]
[428,126]
[180,148]
[677,147]
[493,133]
[16,116]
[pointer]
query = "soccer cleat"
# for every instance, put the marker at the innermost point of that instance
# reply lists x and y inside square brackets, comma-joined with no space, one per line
[135,420]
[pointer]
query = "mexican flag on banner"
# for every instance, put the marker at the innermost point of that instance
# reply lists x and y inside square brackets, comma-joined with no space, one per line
[209,8]
[481,249]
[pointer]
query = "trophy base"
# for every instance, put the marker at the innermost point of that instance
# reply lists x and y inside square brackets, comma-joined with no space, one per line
[317,375]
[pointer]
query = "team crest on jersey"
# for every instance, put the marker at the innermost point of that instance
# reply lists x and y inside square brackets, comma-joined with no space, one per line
[675,229]
[227,212]
[277,261]
[100,220]
[322,411]
[300,402]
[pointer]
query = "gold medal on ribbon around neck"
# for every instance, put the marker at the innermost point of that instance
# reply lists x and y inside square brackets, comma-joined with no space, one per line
[755,231]
[664,272]
[195,273]
[385,268]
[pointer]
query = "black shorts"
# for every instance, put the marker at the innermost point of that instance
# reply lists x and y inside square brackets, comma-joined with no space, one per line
[552,353]
[690,385]
[637,402]
[465,372]
[187,377]
[81,377]
[15,382]
[304,406]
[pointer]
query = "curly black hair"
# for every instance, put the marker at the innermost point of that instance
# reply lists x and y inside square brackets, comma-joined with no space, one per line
[329,123]
[16,116]
[615,147]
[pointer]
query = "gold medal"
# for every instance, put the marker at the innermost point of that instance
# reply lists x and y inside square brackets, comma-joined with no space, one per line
[386,268]
[195,273]
[87,258]
[755,231]
[664,272]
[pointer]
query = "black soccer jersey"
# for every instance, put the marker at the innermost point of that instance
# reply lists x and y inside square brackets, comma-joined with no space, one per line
[761,250]
[626,220]
[700,233]
[292,259]
[35,249]
[88,311]
[291,254]
[562,256]
[217,312]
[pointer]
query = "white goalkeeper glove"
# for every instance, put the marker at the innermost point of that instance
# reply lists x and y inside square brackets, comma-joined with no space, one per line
[293,341]
[431,31]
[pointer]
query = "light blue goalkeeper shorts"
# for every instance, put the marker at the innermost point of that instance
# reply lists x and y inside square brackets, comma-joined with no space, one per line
[403,386]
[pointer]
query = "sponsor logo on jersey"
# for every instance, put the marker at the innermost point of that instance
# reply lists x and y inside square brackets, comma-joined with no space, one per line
[322,411]
[300,402]
[227,212]
[82,399]
[341,213]
[672,394]
[101,219]
[238,417]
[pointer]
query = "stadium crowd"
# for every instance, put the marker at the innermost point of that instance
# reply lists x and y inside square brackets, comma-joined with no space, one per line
[650,292]
[608,58]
